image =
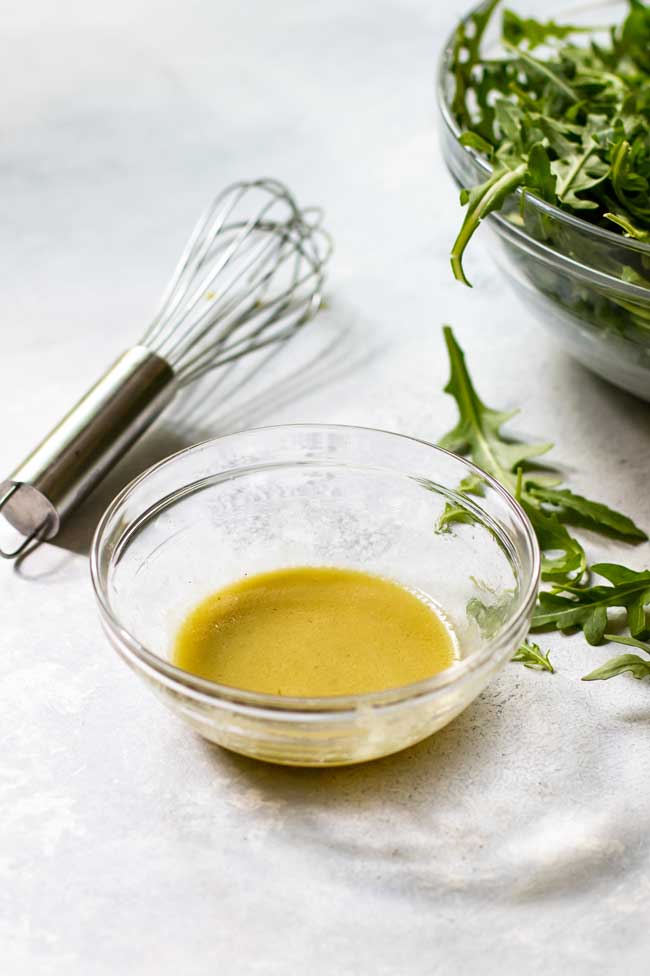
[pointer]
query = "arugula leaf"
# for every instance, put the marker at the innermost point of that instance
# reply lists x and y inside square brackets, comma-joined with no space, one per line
[475,141]
[638,666]
[629,185]
[635,35]
[467,43]
[452,514]
[480,201]
[577,510]
[517,29]
[587,607]
[618,665]
[539,178]
[548,71]
[478,435]
[581,169]
[478,431]
[531,656]
[571,561]
[629,642]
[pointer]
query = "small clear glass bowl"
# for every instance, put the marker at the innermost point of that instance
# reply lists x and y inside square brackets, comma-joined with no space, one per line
[320,496]
[587,285]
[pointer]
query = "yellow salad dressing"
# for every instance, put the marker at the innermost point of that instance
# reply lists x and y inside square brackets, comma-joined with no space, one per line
[314,631]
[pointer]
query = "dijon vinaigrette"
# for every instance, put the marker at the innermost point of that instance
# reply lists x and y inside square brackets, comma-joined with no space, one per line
[313,632]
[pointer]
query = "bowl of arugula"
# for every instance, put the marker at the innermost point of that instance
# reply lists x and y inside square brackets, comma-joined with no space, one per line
[546,129]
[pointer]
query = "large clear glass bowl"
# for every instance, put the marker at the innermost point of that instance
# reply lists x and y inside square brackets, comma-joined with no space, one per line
[570,273]
[320,496]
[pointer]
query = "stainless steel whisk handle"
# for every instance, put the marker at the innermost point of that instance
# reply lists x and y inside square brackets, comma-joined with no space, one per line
[89,440]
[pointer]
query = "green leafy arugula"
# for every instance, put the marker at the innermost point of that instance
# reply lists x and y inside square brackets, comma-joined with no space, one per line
[634,663]
[518,30]
[479,436]
[571,603]
[586,607]
[531,656]
[570,126]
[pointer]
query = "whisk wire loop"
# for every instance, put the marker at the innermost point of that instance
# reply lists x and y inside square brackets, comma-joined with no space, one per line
[244,272]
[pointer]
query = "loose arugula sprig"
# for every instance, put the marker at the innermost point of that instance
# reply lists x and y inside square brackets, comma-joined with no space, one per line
[531,656]
[551,509]
[570,603]
[571,127]
[586,607]
[638,666]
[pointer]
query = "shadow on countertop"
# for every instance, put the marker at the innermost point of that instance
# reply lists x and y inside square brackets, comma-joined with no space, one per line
[467,811]
[598,391]
[239,396]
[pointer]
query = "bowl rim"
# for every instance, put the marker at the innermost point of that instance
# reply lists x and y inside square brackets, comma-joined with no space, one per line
[562,216]
[131,648]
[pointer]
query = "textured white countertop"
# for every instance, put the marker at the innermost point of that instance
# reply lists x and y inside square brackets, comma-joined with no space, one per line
[515,841]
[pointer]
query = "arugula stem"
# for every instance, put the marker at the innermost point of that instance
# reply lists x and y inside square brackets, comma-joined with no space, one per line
[564,185]
[543,69]
[468,408]
[490,197]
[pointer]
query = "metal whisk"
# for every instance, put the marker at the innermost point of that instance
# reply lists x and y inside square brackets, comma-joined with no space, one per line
[251,275]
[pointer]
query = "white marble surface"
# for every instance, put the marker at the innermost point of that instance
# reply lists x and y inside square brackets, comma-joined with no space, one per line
[518,839]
